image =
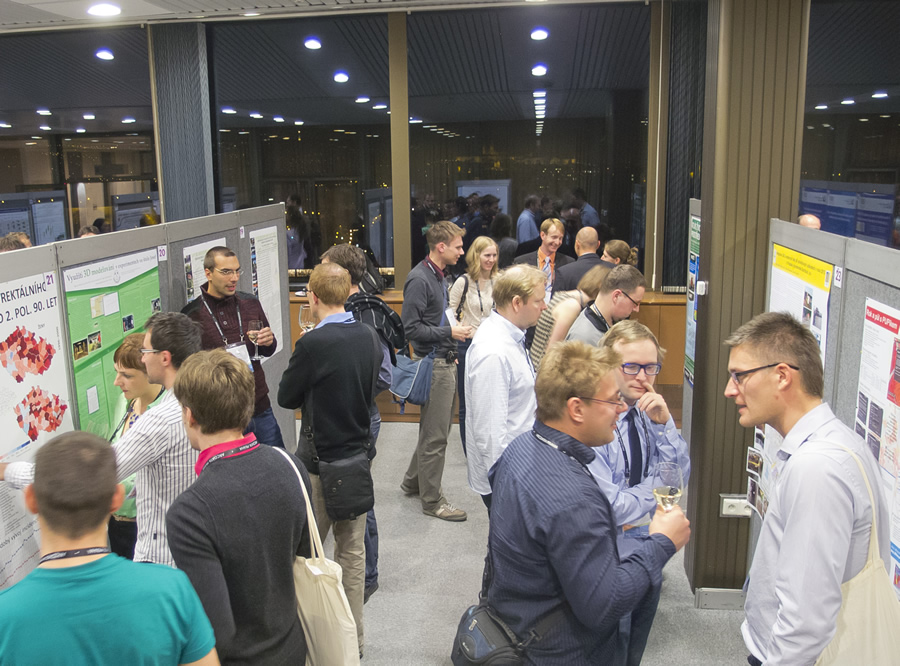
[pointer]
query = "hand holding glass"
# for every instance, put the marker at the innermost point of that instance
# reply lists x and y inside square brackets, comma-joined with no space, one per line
[669,485]
[307,321]
[254,326]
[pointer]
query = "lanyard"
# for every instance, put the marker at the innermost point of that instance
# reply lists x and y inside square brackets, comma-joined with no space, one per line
[130,411]
[600,314]
[646,446]
[237,306]
[81,552]
[556,446]
[480,304]
[237,451]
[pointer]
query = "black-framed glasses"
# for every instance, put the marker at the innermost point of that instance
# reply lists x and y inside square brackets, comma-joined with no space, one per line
[738,377]
[150,351]
[618,403]
[636,304]
[228,272]
[650,369]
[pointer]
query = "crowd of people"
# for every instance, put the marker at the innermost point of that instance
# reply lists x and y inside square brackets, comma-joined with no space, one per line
[563,430]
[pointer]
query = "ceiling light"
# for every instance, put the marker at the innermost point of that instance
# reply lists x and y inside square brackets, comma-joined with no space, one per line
[539,34]
[250,14]
[341,76]
[362,100]
[349,133]
[380,106]
[825,125]
[434,129]
[848,101]
[46,128]
[5,125]
[89,116]
[540,93]
[879,95]
[273,136]
[863,120]
[35,137]
[224,130]
[884,115]
[244,132]
[104,9]
[228,110]
[539,70]
[128,120]
[415,121]
[278,119]
[338,130]
[81,130]
[298,122]
[256,114]
[105,54]
[43,112]
[30,143]
[821,107]
[312,43]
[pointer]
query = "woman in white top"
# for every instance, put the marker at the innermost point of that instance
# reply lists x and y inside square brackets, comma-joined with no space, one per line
[471,300]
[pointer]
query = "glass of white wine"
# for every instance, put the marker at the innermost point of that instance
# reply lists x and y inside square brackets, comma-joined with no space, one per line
[669,485]
[307,321]
[253,328]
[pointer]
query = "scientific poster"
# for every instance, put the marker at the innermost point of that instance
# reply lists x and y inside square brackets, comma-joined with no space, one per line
[194,275]
[878,408]
[34,404]
[106,301]
[690,338]
[266,277]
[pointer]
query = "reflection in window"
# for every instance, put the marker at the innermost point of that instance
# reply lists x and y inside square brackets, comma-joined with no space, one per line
[290,130]
[75,130]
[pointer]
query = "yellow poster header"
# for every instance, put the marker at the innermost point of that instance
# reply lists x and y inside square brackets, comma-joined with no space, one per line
[812,271]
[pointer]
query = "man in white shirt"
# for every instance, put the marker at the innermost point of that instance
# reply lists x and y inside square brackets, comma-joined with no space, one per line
[815,534]
[499,373]
[156,447]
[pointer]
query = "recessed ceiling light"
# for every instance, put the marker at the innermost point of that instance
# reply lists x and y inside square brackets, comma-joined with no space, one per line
[539,70]
[848,101]
[540,93]
[362,100]
[863,120]
[67,139]
[380,106]
[244,132]
[312,43]
[5,125]
[415,121]
[256,114]
[338,130]
[35,137]
[89,116]
[224,130]
[31,143]
[105,54]
[821,107]
[128,120]
[298,122]
[348,133]
[228,110]
[95,140]
[81,130]
[250,14]
[341,76]
[43,112]
[434,129]
[539,34]
[884,115]
[879,95]
[278,119]
[104,9]
[825,125]
[46,128]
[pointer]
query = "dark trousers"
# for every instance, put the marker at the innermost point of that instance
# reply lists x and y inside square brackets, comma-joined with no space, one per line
[753,661]
[487,502]
[634,629]
[266,429]
[463,347]
[122,537]
[371,539]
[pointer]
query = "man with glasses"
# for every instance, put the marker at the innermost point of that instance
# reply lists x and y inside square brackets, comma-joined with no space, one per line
[224,313]
[620,295]
[551,549]
[815,534]
[625,470]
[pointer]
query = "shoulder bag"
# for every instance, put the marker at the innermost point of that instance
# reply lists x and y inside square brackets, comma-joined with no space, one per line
[868,624]
[462,299]
[321,602]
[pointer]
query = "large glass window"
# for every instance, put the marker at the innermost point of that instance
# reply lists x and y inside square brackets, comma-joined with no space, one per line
[302,118]
[76,131]
[850,167]
[546,101]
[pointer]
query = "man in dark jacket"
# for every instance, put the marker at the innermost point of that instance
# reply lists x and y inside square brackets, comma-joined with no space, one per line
[224,313]
[586,244]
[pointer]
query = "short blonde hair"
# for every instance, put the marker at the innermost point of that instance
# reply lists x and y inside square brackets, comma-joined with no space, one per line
[330,283]
[219,390]
[442,232]
[569,370]
[628,331]
[473,262]
[552,222]
[520,280]
[590,283]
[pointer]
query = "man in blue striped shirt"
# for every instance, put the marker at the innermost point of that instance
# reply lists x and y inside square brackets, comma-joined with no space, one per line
[552,542]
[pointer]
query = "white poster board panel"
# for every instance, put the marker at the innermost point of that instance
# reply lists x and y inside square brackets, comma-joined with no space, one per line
[267,278]
[194,275]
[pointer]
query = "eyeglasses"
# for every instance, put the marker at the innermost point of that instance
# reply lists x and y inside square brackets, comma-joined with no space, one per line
[150,351]
[618,403]
[738,377]
[228,272]
[650,369]
[636,303]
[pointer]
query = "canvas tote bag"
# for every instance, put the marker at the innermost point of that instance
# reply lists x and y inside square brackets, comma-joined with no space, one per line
[868,624]
[321,603]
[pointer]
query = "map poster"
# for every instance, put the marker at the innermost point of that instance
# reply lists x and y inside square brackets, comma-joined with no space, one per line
[267,278]
[34,404]
[878,408]
[194,274]
[105,301]
[690,338]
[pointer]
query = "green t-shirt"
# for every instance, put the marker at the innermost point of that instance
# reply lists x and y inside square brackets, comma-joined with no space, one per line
[110,611]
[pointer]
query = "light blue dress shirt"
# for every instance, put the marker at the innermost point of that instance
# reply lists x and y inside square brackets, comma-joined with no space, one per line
[526,227]
[815,536]
[589,216]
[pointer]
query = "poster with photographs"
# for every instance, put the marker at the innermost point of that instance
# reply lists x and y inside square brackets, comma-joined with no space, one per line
[194,274]
[266,276]
[878,408]
[34,403]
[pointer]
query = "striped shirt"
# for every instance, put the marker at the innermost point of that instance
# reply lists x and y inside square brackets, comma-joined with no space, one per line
[158,450]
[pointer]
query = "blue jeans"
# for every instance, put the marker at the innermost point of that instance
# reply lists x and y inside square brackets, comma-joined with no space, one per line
[463,347]
[266,429]
[371,525]
[634,628]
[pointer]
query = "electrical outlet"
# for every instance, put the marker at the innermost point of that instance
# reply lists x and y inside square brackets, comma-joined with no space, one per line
[734,506]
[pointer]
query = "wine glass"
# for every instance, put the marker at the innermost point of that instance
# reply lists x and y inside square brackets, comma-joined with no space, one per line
[307,321]
[254,326]
[669,485]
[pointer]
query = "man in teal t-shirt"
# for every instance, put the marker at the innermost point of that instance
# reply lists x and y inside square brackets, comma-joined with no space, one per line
[84,605]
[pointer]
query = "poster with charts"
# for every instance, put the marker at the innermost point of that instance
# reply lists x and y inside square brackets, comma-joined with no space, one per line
[194,274]
[878,408]
[266,277]
[34,404]
[105,301]
[690,338]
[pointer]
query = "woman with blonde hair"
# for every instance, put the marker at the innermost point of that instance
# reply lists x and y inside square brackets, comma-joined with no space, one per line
[471,302]
[618,252]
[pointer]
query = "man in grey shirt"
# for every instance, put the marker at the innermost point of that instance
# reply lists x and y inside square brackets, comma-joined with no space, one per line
[619,296]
